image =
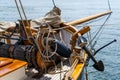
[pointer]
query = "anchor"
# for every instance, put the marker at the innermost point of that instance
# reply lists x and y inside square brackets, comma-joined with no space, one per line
[98,65]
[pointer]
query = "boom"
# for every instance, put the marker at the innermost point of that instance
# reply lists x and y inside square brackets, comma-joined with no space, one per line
[80,21]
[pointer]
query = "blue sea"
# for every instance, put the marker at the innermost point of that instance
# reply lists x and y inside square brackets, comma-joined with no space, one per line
[76,9]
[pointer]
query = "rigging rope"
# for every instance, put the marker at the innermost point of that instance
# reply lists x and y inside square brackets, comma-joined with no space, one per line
[19,11]
[37,37]
[23,10]
[24,14]
[100,29]
[54,3]
[109,5]
[104,22]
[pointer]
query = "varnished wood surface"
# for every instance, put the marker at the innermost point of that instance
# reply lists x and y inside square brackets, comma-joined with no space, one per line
[16,64]
[82,20]
[5,61]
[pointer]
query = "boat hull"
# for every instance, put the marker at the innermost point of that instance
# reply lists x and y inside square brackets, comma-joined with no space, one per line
[18,74]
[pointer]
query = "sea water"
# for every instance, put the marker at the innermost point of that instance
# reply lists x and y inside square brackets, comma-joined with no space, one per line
[76,9]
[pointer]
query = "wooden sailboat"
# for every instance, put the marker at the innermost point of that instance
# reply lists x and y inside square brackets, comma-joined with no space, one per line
[46,56]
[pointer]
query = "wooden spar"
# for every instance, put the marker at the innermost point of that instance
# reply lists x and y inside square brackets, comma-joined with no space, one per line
[79,21]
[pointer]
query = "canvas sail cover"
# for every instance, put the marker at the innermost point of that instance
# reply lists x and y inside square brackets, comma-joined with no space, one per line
[5,25]
[52,18]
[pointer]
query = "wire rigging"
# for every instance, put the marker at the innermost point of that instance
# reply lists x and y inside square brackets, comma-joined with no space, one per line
[98,33]
[109,5]
[100,30]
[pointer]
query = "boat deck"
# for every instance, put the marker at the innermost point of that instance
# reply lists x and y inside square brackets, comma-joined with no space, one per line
[9,67]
